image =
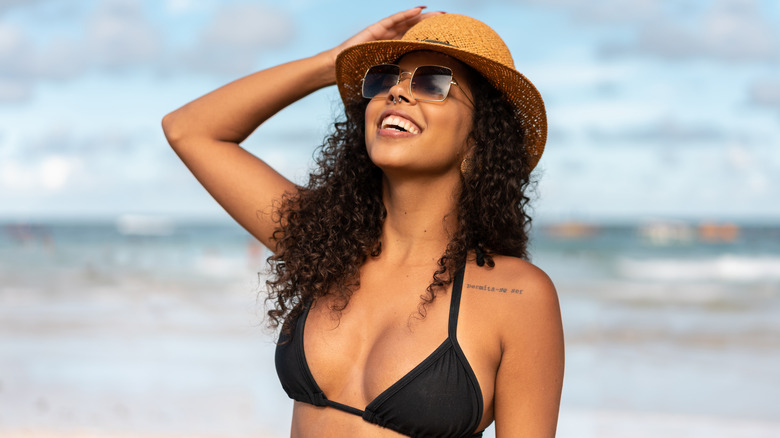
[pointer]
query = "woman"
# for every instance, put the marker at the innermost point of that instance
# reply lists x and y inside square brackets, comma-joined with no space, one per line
[400,282]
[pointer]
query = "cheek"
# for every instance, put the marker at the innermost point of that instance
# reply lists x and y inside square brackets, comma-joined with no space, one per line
[373,109]
[468,125]
[460,127]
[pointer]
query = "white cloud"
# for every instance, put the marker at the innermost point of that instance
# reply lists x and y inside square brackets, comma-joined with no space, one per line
[766,92]
[732,30]
[232,42]
[665,132]
[729,30]
[6,5]
[580,74]
[120,34]
[63,58]
[177,7]
[53,173]
[758,183]
[739,156]
[42,11]
[15,52]
[750,169]
[14,90]
[11,38]
[117,35]
[606,11]
[249,26]
[736,29]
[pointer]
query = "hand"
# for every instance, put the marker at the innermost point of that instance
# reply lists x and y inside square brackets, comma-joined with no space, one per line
[390,28]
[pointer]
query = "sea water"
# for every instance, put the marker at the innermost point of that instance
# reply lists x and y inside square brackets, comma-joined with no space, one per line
[150,327]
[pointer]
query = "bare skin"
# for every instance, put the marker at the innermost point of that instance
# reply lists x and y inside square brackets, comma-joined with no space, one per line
[513,341]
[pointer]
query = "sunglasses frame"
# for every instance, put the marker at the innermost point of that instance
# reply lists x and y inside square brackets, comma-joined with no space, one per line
[411,74]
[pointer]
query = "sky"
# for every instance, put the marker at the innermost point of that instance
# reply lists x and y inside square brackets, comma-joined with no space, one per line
[657,109]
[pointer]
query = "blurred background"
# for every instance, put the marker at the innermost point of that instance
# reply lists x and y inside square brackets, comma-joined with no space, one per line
[130,304]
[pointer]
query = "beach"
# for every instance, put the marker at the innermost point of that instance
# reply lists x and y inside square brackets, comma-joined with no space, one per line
[155,329]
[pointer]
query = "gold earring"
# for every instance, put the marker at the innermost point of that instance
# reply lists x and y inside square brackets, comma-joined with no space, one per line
[467,166]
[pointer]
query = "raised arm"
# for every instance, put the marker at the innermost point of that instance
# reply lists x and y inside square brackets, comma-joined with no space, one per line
[206,133]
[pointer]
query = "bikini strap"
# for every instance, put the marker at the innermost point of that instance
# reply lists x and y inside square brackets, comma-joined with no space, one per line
[457,286]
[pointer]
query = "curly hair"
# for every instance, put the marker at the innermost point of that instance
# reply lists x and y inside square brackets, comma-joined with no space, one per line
[329,228]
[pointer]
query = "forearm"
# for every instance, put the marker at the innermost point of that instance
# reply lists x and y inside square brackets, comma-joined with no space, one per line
[232,112]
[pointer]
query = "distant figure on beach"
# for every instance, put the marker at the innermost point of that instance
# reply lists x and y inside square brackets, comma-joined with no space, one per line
[400,279]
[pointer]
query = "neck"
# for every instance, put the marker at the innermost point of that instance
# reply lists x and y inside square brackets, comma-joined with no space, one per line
[421,217]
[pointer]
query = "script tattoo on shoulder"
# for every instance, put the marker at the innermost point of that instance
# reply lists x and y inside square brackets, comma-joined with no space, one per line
[490,288]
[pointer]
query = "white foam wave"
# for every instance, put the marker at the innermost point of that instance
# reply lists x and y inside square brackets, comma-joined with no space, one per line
[131,225]
[722,268]
[603,423]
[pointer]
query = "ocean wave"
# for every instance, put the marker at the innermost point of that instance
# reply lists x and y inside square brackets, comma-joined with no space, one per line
[722,268]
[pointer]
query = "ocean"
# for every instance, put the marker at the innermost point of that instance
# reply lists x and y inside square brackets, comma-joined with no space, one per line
[154,328]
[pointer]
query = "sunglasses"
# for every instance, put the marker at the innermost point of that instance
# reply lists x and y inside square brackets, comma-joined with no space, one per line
[427,82]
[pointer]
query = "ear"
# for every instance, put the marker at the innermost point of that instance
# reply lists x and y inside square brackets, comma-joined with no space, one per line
[467,163]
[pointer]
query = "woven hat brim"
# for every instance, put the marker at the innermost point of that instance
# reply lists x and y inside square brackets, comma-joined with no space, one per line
[352,63]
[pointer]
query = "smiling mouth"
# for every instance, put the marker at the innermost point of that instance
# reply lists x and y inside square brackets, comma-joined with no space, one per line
[399,124]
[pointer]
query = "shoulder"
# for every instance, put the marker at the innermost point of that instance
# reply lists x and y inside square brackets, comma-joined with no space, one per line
[519,297]
[512,276]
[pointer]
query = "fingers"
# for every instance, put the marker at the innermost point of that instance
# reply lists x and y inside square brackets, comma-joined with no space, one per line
[429,14]
[389,28]
[407,18]
[402,16]
[420,17]
[397,24]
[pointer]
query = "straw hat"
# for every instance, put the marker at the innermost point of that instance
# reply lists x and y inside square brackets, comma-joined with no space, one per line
[467,40]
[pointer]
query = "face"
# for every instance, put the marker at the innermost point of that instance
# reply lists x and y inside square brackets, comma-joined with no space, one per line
[434,135]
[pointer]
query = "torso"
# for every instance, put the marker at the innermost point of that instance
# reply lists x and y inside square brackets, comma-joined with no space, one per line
[380,337]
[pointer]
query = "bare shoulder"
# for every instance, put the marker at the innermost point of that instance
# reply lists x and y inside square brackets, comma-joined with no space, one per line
[511,276]
[516,293]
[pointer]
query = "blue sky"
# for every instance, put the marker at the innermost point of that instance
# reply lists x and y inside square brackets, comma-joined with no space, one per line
[657,109]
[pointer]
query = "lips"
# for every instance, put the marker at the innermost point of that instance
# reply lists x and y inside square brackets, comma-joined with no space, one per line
[394,122]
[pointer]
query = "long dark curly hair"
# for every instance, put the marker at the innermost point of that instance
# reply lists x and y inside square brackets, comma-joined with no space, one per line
[330,227]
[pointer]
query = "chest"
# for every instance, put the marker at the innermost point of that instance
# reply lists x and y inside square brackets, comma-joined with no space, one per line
[382,360]
[358,353]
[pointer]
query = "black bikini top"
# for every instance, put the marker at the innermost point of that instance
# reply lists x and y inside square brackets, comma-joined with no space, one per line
[440,397]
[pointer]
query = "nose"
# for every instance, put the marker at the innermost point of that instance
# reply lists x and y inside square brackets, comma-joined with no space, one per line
[401,92]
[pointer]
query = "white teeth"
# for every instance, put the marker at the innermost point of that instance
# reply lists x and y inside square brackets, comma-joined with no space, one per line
[395,122]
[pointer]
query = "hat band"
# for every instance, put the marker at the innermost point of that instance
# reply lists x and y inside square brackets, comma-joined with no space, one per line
[440,42]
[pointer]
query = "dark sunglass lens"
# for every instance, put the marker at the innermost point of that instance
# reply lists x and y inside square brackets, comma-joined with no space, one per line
[431,82]
[379,80]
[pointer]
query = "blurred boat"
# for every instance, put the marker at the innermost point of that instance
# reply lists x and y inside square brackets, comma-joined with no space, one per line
[665,233]
[570,230]
[710,232]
